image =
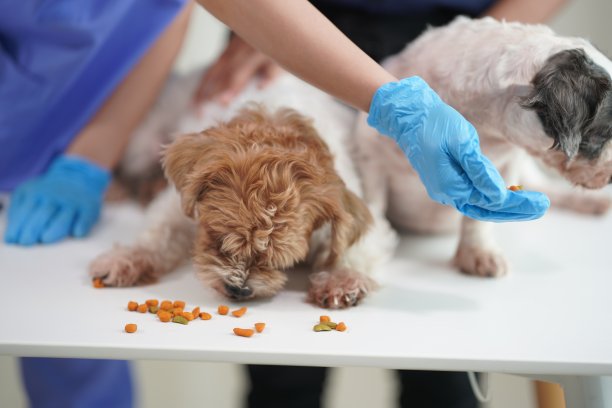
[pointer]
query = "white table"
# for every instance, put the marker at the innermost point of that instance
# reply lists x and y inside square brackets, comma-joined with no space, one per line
[549,319]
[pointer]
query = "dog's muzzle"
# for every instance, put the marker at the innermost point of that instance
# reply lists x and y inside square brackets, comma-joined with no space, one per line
[237,292]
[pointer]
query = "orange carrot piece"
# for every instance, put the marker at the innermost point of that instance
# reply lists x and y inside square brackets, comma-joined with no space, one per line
[222,309]
[515,188]
[179,303]
[196,311]
[97,283]
[132,306]
[164,316]
[324,319]
[166,305]
[131,328]
[240,312]
[152,302]
[143,308]
[205,316]
[341,326]
[187,316]
[243,332]
[260,327]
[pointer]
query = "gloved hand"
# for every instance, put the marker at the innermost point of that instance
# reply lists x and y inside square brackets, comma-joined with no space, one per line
[66,200]
[444,149]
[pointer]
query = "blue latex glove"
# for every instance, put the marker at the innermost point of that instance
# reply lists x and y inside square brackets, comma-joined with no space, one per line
[64,201]
[444,149]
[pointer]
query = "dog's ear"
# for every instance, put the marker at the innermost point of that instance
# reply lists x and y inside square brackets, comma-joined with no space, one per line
[349,218]
[566,94]
[185,163]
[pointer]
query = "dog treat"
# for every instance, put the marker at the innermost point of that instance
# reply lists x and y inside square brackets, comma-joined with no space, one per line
[164,316]
[153,309]
[188,316]
[131,328]
[152,302]
[321,327]
[515,188]
[243,332]
[205,316]
[222,309]
[132,306]
[331,325]
[239,312]
[179,303]
[324,319]
[341,326]
[166,305]
[97,283]
[180,319]
[196,311]
[260,327]
[142,308]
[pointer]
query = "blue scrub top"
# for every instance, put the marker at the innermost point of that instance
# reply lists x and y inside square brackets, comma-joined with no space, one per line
[59,61]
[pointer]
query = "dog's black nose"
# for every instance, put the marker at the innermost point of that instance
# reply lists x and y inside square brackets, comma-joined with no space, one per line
[238,292]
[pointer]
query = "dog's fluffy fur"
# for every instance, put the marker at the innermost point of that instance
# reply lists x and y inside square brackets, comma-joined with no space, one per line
[525,89]
[260,193]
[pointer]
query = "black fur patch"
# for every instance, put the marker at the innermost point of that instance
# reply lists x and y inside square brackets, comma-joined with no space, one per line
[573,99]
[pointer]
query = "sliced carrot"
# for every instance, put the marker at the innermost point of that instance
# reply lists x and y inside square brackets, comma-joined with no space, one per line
[131,328]
[205,316]
[240,312]
[244,332]
[196,311]
[260,327]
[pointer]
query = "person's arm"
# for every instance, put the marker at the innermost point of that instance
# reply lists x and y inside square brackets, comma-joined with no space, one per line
[296,35]
[104,139]
[525,11]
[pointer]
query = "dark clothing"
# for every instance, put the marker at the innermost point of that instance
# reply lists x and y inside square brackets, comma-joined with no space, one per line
[406,7]
[380,35]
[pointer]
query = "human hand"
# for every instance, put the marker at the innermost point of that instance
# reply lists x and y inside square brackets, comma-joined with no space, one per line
[444,149]
[233,70]
[64,201]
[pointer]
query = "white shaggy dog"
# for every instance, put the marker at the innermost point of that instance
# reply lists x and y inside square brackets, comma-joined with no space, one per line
[526,90]
[169,237]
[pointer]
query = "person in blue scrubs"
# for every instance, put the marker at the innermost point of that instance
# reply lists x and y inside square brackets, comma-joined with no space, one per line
[76,78]
[380,29]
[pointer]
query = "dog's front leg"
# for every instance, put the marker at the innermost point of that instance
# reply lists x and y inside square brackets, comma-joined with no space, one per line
[163,246]
[478,253]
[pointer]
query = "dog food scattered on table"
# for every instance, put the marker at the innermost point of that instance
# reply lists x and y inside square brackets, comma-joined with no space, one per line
[325,324]
[243,332]
[97,283]
[515,188]
[222,309]
[259,327]
[131,328]
[132,306]
[239,312]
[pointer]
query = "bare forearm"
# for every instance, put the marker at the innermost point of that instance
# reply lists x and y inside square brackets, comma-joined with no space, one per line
[525,11]
[305,43]
[104,139]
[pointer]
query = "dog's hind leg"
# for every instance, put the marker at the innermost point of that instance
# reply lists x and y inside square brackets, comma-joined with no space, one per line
[162,247]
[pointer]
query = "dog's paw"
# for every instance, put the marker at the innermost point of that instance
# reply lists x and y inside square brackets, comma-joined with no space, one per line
[123,266]
[481,261]
[339,289]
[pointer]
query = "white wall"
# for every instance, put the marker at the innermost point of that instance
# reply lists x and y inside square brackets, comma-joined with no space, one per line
[186,385]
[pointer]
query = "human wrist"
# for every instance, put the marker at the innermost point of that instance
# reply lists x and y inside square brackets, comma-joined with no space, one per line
[83,170]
